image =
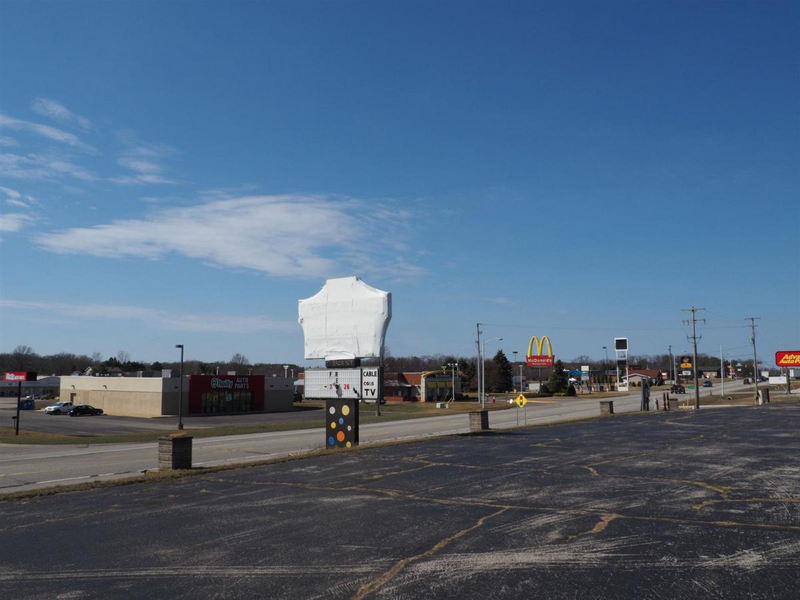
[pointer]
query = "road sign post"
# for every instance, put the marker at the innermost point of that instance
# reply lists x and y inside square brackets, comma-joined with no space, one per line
[522,402]
[19,377]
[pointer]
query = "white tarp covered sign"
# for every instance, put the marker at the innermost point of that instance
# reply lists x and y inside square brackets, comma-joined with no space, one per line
[346,319]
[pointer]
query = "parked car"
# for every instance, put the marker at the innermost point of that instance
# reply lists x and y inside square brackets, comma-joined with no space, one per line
[677,389]
[84,409]
[707,383]
[59,408]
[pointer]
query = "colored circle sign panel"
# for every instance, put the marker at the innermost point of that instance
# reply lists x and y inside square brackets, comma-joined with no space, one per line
[342,423]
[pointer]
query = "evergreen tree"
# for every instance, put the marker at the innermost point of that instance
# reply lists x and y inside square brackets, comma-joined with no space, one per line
[503,372]
[558,382]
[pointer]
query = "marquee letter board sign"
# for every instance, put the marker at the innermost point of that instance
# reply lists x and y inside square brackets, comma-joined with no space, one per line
[341,423]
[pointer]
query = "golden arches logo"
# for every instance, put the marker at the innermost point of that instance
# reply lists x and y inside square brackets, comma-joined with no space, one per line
[540,358]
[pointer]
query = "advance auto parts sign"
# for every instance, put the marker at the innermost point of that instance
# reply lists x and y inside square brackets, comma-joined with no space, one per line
[787,358]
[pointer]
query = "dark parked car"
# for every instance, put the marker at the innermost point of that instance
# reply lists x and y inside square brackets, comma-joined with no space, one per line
[707,383]
[84,409]
[677,389]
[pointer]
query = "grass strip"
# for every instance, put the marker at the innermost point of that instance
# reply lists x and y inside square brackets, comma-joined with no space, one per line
[397,412]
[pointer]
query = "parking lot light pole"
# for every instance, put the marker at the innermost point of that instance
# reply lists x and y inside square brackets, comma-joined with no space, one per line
[483,372]
[514,352]
[452,366]
[180,396]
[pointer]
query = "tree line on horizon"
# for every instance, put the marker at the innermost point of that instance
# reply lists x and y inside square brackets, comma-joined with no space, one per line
[23,358]
[499,370]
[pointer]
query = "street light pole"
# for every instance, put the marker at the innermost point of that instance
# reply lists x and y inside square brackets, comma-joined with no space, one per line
[514,352]
[605,365]
[285,371]
[483,369]
[180,396]
[452,366]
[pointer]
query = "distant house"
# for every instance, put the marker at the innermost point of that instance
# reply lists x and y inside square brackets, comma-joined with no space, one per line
[651,376]
[429,386]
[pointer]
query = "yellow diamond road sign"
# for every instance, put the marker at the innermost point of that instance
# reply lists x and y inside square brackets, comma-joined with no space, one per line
[521,400]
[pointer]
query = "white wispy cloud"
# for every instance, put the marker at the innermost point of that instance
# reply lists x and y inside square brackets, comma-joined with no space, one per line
[55,110]
[13,221]
[288,235]
[51,133]
[141,178]
[144,159]
[36,166]
[16,198]
[8,141]
[157,318]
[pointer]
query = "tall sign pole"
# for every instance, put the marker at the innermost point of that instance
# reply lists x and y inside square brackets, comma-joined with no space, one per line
[693,337]
[19,377]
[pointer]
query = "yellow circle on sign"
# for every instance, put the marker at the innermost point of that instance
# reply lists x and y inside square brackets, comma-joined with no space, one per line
[333,425]
[348,444]
[345,410]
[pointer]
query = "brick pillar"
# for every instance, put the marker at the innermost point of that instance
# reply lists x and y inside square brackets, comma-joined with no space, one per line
[606,407]
[175,453]
[479,420]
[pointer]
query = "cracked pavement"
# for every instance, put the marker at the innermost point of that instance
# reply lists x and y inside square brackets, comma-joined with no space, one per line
[668,505]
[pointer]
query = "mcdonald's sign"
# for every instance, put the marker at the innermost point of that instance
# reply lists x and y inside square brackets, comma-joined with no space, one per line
[539,358]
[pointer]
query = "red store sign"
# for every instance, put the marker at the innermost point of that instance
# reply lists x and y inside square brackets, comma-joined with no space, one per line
[212,394]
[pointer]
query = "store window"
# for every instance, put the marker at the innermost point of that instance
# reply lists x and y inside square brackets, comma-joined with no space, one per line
[227,402]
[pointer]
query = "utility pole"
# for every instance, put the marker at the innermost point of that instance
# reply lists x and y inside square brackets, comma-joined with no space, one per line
[479,366]
[693,337]
[721,371]
[755,359]
[671,366]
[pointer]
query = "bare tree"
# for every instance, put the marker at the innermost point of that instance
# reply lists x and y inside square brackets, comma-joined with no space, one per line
[123,357]
[239,359]
[22,356]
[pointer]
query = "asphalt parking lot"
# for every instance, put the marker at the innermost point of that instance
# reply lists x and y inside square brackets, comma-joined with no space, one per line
[669,505]
[36,420]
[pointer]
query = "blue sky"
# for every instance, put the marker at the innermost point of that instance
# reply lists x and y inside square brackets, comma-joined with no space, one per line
[184,172]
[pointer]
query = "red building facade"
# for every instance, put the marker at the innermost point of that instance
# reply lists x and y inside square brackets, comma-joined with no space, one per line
[225,394]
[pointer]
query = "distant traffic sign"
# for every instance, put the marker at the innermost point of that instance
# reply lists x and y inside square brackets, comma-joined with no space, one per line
[521,400]
[686,365]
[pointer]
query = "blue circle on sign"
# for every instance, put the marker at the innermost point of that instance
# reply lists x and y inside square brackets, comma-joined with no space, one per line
[330,441]
[341,421]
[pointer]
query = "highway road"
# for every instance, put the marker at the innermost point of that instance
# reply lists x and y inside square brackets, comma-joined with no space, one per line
[25,467]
